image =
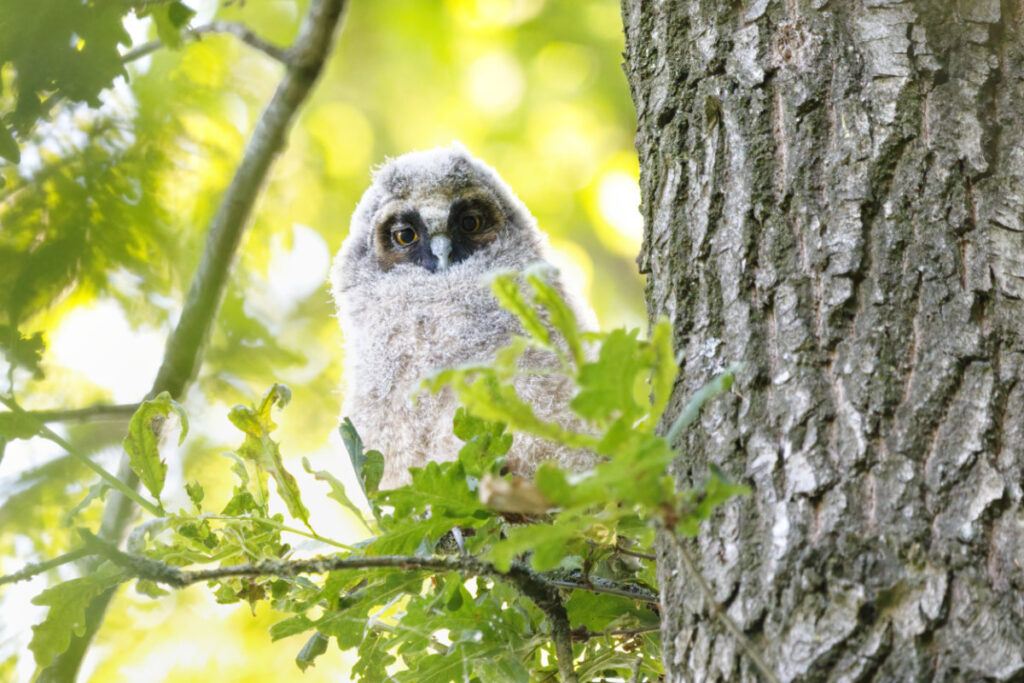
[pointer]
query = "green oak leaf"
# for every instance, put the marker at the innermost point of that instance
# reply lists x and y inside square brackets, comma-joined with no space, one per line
[67,602]
[263,451]
[143,441]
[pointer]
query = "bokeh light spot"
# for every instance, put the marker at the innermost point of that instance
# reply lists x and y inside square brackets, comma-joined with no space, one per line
[618,198]
[491,14]
[563,67]
[345,135]
[97,341]
[495,83]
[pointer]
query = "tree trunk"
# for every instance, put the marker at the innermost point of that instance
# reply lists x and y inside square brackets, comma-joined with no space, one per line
[834,193]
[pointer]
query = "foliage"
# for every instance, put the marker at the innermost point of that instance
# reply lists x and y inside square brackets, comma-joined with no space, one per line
[80,42]
[452,589]
[122,164]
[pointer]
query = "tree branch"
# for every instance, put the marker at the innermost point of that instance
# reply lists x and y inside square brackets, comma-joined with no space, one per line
[120,411]
[240,31]
[30,570]
[536,587]
[184,348]
[608,587]
[114,482]
[716,609]
[619,550]
[583,633]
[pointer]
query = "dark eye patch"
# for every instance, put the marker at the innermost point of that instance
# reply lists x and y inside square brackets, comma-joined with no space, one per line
[401,238]
[473,223]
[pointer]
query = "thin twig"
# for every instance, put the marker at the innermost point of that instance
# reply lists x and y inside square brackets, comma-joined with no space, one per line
[184,348]
[619,550]
[717,610]
[30,570]
[537,588]
[283,527]
[240,31]
[114,482]
[119,411]
[582,633]
[608,587]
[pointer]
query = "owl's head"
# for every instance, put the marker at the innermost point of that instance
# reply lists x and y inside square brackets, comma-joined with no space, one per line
[432,212]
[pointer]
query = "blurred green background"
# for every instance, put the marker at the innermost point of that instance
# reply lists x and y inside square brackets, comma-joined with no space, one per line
[103,221]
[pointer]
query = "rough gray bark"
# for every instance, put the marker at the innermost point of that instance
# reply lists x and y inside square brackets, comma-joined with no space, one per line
[834,193]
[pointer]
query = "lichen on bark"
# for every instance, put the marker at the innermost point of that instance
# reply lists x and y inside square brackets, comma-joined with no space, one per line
[834,193]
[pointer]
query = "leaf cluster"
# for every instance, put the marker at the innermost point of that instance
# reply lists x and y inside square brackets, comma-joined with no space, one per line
[67,49]
[579,568]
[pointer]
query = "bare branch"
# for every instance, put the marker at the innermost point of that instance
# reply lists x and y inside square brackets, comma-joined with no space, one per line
[30,570]
[583,633]
[619,550]
[115,483]
[240,31]
[121,411]
[537,588]
[608,587]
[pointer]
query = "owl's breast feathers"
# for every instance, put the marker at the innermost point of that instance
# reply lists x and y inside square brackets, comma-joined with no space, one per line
[407,318]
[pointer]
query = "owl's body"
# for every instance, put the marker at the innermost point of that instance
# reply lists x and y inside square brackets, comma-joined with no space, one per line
[411,284]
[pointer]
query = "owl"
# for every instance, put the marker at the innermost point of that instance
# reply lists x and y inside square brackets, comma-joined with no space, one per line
[411,283]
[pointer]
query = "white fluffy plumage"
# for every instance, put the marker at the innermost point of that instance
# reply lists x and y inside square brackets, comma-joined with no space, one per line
[403,322]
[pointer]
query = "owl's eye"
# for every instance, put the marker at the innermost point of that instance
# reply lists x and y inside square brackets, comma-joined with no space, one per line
[405,236]
[470,222]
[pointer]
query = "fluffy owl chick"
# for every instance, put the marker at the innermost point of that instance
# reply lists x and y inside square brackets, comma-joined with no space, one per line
[411,286]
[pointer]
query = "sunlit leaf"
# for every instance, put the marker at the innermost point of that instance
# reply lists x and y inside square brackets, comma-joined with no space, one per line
[510,296]
[170,18]
[143,441]
[262,450]
[337,488]
[67,602]
[369,465]
[314,647]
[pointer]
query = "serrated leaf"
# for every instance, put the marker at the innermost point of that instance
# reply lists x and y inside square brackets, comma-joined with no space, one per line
[598,612]
[510,296]
[149,589]
[440,489]
[143,441]
[195,493]
[486,443]
[368,465]
[290,627]
[548,543]
[609,386]
[264,452]
[67,602]
[314,647]
[404,537]
[337,488]
[485,395]
[374,658]
[559,313]
[241,503]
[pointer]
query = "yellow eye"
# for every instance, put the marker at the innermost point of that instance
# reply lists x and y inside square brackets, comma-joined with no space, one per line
[405,236]
[470,223]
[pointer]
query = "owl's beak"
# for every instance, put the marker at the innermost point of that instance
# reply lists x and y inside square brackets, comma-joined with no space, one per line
[441,247]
